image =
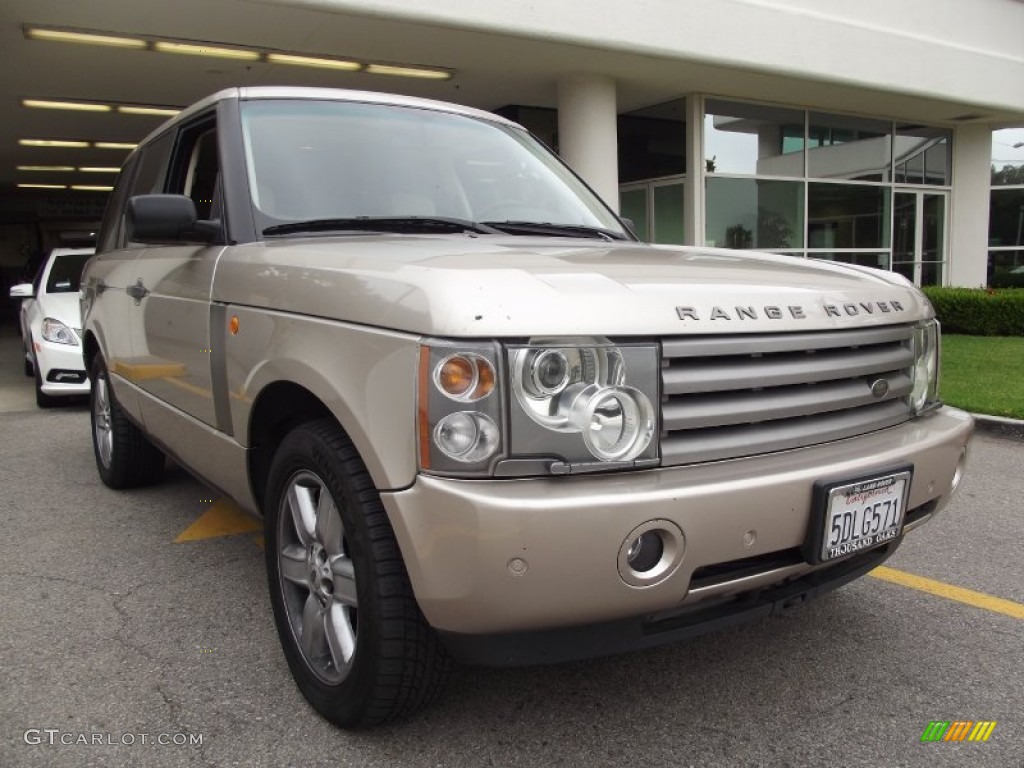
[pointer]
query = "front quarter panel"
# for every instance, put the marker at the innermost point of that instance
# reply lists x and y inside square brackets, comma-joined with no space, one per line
[366,377]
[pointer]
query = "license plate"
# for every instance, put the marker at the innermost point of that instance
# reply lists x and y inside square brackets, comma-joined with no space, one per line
[862,514]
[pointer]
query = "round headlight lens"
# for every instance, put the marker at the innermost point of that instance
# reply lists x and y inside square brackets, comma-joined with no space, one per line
[549,373]
[617,423]
[466,378]
[545,379]
[466,436]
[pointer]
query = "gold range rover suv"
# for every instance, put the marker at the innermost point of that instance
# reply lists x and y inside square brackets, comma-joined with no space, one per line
[480,420]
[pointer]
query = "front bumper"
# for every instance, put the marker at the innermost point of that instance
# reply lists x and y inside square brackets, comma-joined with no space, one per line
[61,368]
[490,557]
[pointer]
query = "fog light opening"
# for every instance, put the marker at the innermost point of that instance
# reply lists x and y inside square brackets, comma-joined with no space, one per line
[651,553]
[645,552]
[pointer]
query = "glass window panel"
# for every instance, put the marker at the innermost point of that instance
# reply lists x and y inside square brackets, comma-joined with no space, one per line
[652,142]
[847,216]
[904,226]
[633,204]
[1006,218]
[754,213]
[931,272]
[1008,156]
[922,154]
[934,228]
[843,147]
[905,268]
[877,260]
[668,214]
[1006,269]
[753,139]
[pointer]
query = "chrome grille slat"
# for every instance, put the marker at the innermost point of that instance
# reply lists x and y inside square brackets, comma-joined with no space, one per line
[733,396]
[769,343]
[702,411]
[750,440]
[791,368]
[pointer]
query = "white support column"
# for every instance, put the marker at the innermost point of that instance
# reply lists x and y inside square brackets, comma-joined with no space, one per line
[693,213]
[968,226]
[587,132]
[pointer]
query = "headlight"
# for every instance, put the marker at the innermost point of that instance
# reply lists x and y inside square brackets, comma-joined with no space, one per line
[57,332]
[460,408]
[925,392]
[585,403]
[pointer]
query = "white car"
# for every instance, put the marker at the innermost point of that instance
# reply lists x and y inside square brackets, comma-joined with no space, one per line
[50,317]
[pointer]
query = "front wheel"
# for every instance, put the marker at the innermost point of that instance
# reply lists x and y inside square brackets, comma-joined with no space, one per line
[124,456]
[355,640]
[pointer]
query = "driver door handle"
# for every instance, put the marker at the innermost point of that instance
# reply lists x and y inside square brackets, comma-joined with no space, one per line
[137,291]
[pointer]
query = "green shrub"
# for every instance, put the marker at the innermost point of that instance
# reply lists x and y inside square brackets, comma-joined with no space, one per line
[979,311]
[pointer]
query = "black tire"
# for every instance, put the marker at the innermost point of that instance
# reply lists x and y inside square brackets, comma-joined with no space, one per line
[43,400]
[124,456]
[29,368]
[395,664]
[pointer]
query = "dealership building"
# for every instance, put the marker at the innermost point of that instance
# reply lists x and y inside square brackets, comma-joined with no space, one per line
[878,133]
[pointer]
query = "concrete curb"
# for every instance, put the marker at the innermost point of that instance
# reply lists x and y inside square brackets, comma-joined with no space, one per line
[997,425]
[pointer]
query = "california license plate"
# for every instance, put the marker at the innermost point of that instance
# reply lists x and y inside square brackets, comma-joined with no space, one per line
[861,514]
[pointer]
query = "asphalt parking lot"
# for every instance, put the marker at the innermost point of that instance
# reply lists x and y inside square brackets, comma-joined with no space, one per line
[124,619]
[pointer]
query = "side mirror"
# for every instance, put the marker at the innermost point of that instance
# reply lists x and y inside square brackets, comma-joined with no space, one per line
[630,224]
[167,219]
[22,291]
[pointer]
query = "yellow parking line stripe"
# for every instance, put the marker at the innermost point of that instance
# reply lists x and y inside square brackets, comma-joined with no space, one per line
[950,592]
[223,518]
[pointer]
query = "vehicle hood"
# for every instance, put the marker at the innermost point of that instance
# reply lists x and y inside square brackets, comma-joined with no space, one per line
[484,286]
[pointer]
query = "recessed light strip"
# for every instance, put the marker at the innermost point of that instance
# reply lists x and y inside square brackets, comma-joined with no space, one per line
[95,106]
[78,106]
[201,49]
[241,53]
[76,144]
[88,38]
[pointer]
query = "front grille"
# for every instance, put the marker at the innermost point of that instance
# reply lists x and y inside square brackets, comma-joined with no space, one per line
[730,396]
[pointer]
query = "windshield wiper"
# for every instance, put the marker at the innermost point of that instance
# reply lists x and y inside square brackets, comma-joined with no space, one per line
[558,230]
[400,224]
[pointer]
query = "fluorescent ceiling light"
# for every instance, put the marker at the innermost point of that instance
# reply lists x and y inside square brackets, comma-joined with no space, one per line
[200,49]
[113,145]
[67,36]
[127,109]
[90,188]
[391,69]
[42,186]
[46,168]
[312,61]
[74,105]
[97,169]
[53,143]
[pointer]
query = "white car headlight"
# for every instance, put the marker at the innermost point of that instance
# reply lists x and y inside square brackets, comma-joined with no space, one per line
[925,392]
[58,333]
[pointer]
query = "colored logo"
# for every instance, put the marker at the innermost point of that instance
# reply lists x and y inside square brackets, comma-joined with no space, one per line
[958,730]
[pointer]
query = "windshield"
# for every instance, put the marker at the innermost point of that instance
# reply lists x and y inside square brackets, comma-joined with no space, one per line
[66,272]
[339,160]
